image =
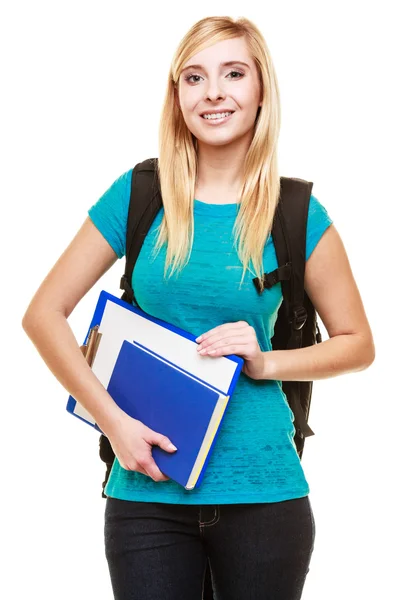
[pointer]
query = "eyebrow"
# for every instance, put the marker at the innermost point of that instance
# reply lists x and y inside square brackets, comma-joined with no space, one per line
[229,63]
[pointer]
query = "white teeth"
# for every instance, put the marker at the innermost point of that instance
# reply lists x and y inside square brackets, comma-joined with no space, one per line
[217,116]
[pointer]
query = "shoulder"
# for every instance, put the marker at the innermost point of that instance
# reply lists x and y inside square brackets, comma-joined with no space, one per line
[318,220]
[316,211]
[116,194]
[110,212]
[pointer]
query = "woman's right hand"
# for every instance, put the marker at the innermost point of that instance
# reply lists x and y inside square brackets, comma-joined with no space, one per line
[132,443]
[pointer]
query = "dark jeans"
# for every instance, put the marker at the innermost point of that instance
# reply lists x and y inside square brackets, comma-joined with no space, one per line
[255,551]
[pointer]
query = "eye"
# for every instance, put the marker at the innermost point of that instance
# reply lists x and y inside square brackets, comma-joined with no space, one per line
[188,77]
[237,73]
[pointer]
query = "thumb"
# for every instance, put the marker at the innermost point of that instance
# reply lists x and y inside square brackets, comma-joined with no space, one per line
[161,440]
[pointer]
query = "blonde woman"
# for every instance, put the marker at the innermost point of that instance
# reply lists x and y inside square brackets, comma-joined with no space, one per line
[251,518]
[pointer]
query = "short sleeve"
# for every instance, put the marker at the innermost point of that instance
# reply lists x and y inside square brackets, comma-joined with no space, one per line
[317,222]
[110,213]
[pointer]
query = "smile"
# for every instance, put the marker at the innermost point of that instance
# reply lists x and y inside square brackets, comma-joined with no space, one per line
[217,121]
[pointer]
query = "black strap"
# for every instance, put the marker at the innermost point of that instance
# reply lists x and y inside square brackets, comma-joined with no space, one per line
[289,234]
[145,202]
[280,274]
[293,215]
[294,387]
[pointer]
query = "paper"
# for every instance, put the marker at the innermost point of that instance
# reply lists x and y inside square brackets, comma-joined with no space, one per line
[119,324]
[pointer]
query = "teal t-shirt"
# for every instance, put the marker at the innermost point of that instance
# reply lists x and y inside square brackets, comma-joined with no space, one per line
[254,458]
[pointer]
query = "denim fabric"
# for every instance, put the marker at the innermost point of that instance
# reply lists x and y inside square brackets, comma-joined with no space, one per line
[158,551]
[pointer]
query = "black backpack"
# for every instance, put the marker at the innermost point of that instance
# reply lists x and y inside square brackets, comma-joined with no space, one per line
[296,324]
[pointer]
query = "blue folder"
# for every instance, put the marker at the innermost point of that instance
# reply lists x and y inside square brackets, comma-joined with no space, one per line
[172,402]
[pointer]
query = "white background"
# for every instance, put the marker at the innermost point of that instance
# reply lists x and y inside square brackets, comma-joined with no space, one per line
[83,83]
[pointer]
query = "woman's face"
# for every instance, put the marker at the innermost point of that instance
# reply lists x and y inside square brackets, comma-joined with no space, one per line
[213,86]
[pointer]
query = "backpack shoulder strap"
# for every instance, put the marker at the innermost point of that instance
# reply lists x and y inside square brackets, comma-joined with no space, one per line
[289,233]
[145,202]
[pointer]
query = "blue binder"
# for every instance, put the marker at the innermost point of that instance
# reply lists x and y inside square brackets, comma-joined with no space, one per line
[126,333]
[172,402]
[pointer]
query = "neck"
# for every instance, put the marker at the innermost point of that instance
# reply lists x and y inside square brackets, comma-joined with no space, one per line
[221,167]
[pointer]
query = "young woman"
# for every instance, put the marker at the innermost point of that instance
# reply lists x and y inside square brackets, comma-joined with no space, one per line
[251,517]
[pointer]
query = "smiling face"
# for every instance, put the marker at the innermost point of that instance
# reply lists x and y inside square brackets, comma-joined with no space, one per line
[212,86]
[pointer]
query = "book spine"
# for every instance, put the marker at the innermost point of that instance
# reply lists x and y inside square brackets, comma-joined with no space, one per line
[221,407]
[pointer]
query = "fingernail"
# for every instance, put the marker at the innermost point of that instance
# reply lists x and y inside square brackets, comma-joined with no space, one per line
[172,447]
[199,338]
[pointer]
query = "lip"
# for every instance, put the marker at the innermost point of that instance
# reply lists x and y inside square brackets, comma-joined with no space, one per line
[214,122]
[216,111]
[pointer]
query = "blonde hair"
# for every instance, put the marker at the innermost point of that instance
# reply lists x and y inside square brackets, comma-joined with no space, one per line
[177,162]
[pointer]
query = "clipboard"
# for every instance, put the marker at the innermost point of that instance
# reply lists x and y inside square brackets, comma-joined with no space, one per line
[115,321]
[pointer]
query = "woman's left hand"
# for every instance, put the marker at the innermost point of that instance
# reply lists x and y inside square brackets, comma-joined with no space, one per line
[234,338]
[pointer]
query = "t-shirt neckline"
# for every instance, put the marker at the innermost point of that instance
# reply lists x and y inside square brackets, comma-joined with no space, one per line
[207,208]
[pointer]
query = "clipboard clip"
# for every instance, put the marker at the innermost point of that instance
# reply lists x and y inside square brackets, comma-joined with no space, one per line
[89,349]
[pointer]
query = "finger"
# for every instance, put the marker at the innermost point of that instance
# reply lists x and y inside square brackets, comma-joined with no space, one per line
[218,343]
[161,440]
[228,337]
[222,350]
[153,471]
[130,467]
[152,437]
[144,472]
[221,328]
[212,344]
[140,470]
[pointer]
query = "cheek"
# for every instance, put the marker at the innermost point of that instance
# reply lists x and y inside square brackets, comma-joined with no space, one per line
[192,122]
[189,108]
[191,116]
[248,100]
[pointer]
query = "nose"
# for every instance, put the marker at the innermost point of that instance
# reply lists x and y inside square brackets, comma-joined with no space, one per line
[215,90]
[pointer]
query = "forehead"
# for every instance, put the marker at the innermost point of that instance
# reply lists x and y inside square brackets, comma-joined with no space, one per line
[234,49]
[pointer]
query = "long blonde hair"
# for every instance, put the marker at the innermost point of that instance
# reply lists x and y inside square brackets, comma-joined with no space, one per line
[177,161]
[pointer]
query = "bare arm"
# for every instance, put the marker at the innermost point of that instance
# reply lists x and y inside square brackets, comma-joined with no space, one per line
[330,285]
[85,260]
